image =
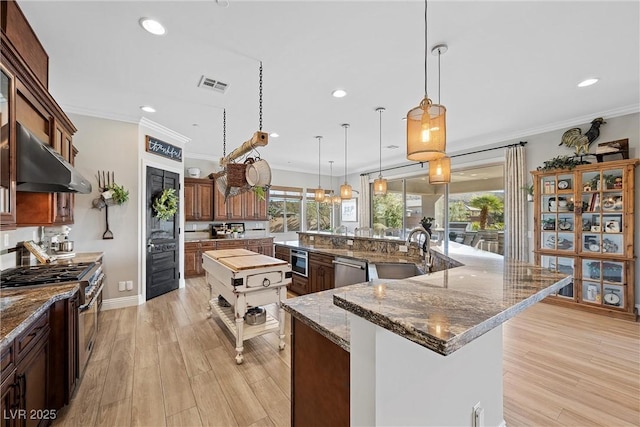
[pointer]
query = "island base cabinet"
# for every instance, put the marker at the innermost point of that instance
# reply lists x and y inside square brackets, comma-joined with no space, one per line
[319,379]
[7,400]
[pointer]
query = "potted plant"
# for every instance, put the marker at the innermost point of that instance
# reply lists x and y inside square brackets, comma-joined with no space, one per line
[529,190]
[118,193]
[561,162]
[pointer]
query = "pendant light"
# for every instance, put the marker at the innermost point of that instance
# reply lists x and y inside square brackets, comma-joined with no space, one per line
[426,123]
[345,189]
[319,194]
[440,169]
[380,184]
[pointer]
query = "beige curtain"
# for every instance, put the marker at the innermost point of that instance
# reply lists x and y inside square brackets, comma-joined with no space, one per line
[516,244]
[364,215]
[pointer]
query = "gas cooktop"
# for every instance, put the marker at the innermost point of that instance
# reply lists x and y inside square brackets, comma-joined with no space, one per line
[44,274]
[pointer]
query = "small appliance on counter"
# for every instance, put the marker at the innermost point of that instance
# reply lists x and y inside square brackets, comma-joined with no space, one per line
[220,230]
[56,241]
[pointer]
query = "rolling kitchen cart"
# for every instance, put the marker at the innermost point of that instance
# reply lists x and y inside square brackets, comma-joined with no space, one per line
[246,279]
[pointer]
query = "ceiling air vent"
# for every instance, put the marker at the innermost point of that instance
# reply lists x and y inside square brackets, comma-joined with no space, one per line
[213,84]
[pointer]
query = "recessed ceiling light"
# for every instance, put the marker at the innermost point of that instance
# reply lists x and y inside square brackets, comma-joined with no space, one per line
[274,135]
[148,109]
[152,26]
[339,93]
[588,82]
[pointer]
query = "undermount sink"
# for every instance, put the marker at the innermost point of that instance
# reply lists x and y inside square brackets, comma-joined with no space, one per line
[396,270]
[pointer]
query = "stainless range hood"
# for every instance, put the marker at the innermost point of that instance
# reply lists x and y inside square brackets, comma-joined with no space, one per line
[40,169]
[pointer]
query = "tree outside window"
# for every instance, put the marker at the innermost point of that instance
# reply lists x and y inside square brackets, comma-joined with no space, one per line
[284,209]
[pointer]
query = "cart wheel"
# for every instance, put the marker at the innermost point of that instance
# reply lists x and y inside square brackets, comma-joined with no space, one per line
[239,359]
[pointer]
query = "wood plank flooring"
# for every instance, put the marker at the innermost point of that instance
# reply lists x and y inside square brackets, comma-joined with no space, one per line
[166,363]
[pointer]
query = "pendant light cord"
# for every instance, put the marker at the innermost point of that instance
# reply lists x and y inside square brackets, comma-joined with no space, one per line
[380,110]
[425,49]
[345,126]
[439,54]
[224,133]
[319,139]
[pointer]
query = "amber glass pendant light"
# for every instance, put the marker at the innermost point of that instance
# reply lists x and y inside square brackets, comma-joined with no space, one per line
[440,169]
[380,184]
[345,189]
[426,123]
[319,193]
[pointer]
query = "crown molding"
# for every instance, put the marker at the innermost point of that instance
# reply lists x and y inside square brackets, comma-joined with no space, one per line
[198,156]
[100,114]
[150,124]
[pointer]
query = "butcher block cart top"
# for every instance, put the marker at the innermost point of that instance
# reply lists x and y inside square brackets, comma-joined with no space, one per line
[246,279]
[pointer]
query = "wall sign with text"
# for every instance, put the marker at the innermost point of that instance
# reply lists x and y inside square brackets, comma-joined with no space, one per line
[163,149]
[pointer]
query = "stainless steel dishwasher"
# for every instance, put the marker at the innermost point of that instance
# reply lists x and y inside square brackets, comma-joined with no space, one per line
[349,271]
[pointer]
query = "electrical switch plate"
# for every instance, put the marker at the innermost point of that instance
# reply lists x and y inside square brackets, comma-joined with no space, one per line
[122,286]
[477,416]
[350,242]
[311,238]
[129,285]
[530,234]
[403,248]
[6,240]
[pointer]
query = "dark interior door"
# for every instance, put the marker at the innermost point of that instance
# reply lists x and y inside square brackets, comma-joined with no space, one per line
[163,257]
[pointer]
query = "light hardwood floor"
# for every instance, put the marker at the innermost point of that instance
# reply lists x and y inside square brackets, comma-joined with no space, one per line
[165,363]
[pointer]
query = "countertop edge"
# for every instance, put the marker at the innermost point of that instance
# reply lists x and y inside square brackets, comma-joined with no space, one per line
[340,342]
[440,346]
[8,339]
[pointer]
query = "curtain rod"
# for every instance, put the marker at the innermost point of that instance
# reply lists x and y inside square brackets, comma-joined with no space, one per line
[521,143]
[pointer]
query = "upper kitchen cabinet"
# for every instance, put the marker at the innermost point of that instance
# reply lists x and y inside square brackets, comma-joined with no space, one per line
[25,99]
[198,199]
[7,150]
[248,206]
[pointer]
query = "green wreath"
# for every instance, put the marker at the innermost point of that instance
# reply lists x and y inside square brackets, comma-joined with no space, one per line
[166,204]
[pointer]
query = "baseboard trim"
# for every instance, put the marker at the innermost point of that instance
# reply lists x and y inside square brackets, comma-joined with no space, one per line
[114,303]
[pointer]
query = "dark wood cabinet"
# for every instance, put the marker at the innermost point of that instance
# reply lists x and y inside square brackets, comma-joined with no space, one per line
[63,361]
[192,260]
[321,272]
[320,383]
[247,206]
[198,199]
[299,284]
[25,67]
[8,399]
[32,384]
[283,253]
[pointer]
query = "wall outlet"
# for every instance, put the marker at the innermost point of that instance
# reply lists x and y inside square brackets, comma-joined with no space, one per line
[477,415]
[122,286]
[403,248]
[350,242]
[129,285]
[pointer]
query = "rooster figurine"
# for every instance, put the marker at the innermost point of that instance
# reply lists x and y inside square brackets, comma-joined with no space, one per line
[573,138]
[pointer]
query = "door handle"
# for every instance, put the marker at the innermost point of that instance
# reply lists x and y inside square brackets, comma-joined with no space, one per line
[150,246]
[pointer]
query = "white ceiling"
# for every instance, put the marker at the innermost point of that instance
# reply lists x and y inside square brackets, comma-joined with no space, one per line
[511,70]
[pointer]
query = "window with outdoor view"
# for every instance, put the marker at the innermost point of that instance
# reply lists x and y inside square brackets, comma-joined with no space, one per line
[285,205]
[318,215]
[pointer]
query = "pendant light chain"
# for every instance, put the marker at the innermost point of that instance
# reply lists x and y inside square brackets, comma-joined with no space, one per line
[260,102]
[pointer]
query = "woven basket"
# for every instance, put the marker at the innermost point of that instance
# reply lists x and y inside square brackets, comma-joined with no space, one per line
[236,174]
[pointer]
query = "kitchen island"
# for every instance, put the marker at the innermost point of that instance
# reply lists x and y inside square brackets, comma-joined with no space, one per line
[424,350]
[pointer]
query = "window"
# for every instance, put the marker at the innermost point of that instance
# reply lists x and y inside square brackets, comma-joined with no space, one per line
[318,215]
[285,205]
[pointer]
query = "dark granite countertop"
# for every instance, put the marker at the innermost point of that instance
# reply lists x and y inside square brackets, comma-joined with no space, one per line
[442,311]
[369,256]
[188,239]
[20,306]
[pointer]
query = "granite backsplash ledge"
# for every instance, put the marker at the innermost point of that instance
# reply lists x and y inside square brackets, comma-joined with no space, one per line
[360,244]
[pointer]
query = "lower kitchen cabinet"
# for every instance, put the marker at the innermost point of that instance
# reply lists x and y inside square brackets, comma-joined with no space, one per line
[32,385]
[192,260]
[320,381]
[321,272]
[283,253]
[8,399]
[299,284]
[63,362]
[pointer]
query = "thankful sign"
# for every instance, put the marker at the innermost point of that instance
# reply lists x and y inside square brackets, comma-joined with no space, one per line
[163,149]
